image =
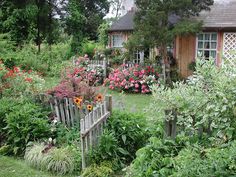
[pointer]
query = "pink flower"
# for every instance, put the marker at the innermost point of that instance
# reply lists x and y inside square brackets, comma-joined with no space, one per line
[136,85]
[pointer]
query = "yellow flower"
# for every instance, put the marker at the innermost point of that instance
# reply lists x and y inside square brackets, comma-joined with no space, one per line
[78,100]
[99,97]
[90,107]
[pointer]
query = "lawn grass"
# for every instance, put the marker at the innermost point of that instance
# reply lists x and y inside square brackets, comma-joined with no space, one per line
[130,102]
[11,167]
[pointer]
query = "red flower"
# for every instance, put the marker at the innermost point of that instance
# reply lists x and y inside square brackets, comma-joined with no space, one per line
[28,79]
[16,69]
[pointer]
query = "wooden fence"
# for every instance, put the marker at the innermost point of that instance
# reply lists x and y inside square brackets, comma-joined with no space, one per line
[91,127]
[64,109]
[91,123]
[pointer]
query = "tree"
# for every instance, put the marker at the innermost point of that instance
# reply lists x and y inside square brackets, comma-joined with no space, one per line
[154,23]
[117,6]
[83,18]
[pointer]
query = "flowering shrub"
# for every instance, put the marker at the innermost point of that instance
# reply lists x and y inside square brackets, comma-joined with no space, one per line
[80,84]
[17,82]
[135,79]
[94,74]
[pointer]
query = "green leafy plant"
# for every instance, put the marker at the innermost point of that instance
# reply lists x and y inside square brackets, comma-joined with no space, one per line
[127,132]
[155,159]
[197,161]
[103,170]
[204,103]
[26,122]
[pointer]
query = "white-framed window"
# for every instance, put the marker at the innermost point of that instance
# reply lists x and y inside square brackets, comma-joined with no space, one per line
[117,40]
[138,57]
[207,45]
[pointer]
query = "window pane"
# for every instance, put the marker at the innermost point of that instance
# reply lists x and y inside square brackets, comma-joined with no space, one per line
[117,40]
[207,37]
[200,53]
[214,36]
[206,53]
[206,45]
[213,54]
[200,37]
[200,45]
[213,45]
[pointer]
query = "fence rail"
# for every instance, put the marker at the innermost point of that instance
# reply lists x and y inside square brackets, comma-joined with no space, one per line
[91,124]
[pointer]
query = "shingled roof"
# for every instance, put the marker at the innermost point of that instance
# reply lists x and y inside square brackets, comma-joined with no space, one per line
[222,15]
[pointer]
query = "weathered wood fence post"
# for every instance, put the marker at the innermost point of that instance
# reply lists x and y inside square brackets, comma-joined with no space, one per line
[92,125]
[171,124]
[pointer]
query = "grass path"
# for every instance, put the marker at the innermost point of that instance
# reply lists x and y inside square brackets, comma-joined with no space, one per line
[130,102]
[10,167]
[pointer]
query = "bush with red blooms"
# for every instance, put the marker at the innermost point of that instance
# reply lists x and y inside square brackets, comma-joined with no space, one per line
[79,83]
[16,82]
[94,74]
[136,79]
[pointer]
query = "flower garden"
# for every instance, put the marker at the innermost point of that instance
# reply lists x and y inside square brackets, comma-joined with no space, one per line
[131,142]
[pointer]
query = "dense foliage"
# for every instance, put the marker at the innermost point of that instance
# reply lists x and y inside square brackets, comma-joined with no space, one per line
[127,132]
[25,122]
[204,106]
[205,103]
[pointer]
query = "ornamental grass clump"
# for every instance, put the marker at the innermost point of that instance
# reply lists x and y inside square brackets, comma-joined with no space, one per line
[34,156]
[60,161]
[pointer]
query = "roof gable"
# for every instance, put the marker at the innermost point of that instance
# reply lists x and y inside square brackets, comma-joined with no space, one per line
[221,15]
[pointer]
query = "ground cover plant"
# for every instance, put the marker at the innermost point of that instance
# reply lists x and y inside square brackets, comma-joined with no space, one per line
[135,79]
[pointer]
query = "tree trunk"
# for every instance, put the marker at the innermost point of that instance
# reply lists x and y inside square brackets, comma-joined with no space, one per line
[38,29]
[165,65]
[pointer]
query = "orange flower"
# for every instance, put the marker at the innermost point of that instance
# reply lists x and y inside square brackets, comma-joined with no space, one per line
[99,97]
[90,107]
[78,100]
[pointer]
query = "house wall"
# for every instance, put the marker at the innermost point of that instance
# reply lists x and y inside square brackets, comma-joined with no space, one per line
[185,53]
[125,35]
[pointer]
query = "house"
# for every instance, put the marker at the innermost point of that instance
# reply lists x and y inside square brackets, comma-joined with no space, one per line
[217,39]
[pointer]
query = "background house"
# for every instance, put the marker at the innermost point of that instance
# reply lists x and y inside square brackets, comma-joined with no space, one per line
[217,39]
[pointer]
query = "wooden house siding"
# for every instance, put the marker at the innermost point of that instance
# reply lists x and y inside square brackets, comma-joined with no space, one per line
[185,53]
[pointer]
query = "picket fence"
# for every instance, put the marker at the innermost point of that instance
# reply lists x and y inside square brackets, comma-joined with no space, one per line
[91,123]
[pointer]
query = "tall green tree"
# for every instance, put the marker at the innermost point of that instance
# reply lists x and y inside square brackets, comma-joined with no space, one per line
[83,18]
[158,22]
[27,20]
